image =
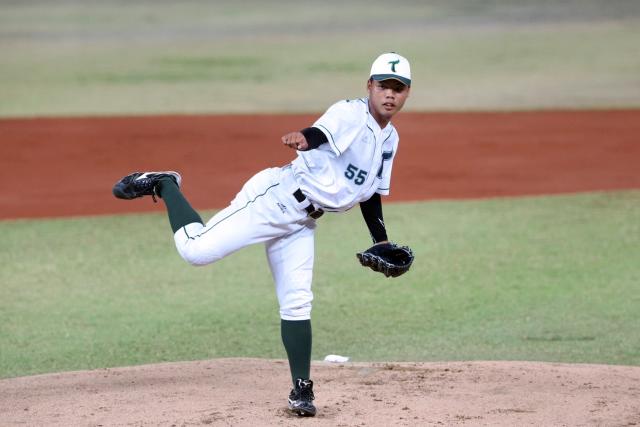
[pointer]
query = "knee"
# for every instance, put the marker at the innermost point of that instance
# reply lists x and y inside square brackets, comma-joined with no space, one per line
[194,250]
[296,307]
[296,313]
[197,254]
[193,258]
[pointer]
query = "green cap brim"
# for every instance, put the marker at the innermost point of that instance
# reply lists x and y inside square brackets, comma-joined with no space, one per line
[381,77]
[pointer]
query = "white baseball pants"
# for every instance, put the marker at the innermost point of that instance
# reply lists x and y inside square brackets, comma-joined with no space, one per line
[265,210]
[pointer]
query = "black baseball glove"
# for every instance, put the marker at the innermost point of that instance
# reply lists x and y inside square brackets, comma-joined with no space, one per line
[387,258]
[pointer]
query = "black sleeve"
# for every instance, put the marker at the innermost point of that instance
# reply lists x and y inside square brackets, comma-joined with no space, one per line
[314,136]
[372,213]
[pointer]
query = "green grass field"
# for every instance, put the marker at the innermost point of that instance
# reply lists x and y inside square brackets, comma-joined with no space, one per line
[546,279]
[540,278]
[115,57]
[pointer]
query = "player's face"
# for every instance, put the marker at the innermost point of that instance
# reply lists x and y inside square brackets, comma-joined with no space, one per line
[386,98]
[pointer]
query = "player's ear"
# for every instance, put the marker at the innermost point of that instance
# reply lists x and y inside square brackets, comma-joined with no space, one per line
[369,84]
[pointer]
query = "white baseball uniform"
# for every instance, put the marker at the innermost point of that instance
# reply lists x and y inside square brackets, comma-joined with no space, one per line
[354,164]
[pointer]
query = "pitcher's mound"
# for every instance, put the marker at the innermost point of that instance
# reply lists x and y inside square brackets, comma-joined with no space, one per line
[253,392]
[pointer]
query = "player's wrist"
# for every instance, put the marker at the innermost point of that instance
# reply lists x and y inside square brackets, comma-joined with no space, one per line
[314,137]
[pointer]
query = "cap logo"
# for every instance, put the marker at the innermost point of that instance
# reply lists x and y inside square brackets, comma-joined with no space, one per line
[393,65]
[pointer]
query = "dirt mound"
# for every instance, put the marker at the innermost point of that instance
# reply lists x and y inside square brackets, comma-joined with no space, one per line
[253,392]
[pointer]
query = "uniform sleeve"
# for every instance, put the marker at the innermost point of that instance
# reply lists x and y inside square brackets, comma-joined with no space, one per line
[341,124]
[372,214]
[388,155]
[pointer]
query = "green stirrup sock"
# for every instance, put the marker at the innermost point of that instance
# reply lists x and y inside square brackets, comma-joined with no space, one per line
[180,211]
[296,337]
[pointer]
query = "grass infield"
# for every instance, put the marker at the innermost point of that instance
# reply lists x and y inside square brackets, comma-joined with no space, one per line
[535,278]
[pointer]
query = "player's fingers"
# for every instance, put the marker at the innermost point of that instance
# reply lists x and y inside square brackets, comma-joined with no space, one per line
[289,140]
[295,140]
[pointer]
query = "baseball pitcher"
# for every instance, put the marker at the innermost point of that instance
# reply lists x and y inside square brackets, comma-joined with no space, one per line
[345,158]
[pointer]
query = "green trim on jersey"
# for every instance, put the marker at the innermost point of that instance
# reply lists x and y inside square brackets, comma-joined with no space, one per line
[332,140]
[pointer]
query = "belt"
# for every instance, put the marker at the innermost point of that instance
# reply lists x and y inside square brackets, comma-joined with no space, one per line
[311,210]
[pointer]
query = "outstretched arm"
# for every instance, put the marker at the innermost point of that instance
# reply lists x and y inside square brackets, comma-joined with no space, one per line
[306,139]
[383,257]
[372,213]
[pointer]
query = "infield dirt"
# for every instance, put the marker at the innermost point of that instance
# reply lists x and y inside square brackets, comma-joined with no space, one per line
[61,167]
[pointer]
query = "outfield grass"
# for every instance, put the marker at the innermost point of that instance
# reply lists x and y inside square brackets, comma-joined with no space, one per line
[540,278]
[551,279]
[112,57]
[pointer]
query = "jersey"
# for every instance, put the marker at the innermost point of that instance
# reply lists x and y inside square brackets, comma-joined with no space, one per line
[354,164]
[348,169]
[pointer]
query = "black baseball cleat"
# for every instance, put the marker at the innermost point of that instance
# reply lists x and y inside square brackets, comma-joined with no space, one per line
[140,184]
[301,398]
